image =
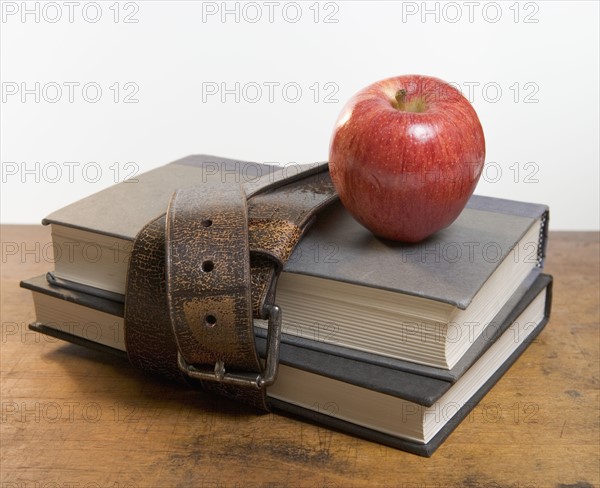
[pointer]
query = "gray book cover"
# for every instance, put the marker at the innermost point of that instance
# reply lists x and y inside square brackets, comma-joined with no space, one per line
[451,266]
[123,209]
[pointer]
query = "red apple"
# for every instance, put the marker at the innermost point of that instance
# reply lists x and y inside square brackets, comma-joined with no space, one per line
[406,155]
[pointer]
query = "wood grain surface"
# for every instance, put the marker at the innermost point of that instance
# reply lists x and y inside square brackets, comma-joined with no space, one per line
[74,418]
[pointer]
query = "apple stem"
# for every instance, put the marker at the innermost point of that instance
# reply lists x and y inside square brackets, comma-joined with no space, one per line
[416,105]
[400,97]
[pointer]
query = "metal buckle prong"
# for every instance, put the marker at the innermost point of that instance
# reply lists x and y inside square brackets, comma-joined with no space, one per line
[268,375]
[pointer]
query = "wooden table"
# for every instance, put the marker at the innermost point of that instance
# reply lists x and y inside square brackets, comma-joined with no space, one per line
[74,418]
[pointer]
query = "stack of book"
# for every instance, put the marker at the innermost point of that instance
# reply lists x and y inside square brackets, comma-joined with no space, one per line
[392,342]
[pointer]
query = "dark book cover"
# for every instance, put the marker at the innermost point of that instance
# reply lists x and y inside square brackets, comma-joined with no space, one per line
[368,371]
[410,386]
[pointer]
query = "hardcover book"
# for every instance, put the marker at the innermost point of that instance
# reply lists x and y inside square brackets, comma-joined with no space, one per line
[418,307]
[372,400]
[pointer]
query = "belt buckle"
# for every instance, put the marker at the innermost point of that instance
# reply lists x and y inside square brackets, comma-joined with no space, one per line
[258,380]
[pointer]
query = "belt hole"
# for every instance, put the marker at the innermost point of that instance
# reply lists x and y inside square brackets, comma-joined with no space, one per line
[210,320]
[206,223]
[208,266]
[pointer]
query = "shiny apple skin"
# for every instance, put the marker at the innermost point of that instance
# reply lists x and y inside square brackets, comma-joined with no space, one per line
[405,175]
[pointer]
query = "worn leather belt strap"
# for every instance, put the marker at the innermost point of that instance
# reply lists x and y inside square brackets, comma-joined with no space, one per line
[208,285]
[200,273]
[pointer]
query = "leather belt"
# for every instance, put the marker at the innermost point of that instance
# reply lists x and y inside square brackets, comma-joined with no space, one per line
[201,272]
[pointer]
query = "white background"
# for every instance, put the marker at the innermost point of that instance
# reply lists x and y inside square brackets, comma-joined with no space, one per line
[529,68]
